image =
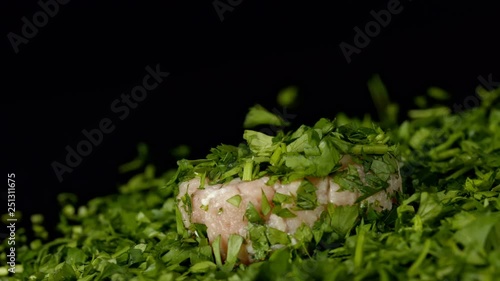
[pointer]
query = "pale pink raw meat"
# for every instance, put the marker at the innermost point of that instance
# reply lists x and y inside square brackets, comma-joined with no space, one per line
[210,206]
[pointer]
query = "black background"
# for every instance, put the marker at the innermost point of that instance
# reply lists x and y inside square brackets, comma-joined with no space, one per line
[66,77]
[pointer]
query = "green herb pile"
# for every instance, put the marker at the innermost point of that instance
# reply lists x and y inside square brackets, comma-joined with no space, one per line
[445,226]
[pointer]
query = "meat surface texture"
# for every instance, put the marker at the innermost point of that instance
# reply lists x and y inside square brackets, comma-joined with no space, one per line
[210,206]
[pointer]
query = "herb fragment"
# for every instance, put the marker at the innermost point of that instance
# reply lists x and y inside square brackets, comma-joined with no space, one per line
[235,200]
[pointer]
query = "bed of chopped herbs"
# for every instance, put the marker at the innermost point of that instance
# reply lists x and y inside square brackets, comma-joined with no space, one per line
[445,226]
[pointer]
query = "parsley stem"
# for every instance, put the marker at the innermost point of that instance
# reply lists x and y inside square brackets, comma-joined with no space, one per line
[276,156]
[358,253]
[216,250]
[436,156]
[414,267]
[448,143]
[427,113]
[369,149]
[458,173]
[248,170]
[383,275]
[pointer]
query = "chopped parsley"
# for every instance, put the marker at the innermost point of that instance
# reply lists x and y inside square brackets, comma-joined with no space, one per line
[446,225]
